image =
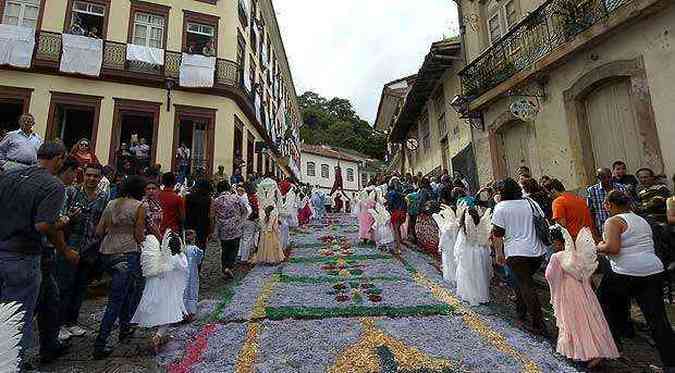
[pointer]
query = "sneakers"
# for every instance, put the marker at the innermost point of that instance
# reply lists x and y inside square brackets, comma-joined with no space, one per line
[64,334]
[76,331]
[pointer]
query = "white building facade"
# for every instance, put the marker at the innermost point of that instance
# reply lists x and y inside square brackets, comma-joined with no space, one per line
[319,166]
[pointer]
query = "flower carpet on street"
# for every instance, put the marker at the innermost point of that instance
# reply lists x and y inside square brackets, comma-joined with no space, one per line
[337,305]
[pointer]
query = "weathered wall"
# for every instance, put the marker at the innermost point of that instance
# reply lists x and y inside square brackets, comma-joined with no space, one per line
[652,41]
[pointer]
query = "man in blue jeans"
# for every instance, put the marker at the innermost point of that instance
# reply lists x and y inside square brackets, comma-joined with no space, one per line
[31,199]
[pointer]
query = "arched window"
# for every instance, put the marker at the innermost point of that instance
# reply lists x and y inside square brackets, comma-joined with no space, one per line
[350,175]
[311,169]
[325,171]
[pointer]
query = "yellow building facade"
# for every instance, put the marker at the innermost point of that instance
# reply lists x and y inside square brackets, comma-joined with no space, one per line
[210,74]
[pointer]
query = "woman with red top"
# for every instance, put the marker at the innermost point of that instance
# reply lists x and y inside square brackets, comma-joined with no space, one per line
[83,154]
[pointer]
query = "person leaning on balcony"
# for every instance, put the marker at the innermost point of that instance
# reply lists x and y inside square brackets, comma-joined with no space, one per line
[19,148]
[209,49]
[636,273]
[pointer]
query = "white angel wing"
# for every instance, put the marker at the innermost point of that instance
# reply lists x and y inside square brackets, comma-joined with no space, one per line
[471,229]
[153,260]
[10,335]
[586,254]
[440,221]
[484,227]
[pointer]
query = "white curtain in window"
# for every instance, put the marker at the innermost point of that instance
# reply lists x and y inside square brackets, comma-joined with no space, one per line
[197,70]
[149,55]
[81,55]
[16,45]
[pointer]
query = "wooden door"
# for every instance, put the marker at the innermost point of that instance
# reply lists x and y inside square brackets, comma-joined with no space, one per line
[517,141]
[612,126]
[444,154]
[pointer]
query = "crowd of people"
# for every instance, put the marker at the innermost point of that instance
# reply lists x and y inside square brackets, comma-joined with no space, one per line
[70,221]
[621,232]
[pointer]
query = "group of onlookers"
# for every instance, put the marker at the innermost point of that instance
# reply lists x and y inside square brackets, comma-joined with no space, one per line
[625,221]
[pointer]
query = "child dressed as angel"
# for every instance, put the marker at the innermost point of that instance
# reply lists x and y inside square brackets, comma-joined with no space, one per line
[472,255]
[583,332]
[165,269]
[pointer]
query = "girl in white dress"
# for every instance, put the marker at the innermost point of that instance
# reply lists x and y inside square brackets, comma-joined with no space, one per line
[448,227]
[165,268]
[472,253]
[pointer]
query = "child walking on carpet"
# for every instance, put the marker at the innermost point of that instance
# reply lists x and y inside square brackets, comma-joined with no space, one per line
[583,332]
[194,259]
[165,268]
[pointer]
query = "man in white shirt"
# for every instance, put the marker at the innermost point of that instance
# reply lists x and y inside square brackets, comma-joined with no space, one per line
[517,245]
[18,149]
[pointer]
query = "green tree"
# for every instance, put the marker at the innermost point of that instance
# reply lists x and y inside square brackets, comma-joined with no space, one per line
[335,122]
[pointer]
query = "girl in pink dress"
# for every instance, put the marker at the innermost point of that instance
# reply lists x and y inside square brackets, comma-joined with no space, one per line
[583,332]
[365,203]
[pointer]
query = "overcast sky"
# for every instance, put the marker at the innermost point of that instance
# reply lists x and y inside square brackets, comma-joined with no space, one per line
[351,48]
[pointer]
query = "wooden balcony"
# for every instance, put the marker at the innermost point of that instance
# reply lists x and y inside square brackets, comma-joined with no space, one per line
[551,27]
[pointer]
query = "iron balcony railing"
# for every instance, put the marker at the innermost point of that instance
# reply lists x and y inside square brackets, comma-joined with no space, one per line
[549,27]
[48,52]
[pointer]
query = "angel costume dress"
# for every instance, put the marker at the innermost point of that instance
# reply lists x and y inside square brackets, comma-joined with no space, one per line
[448,226]
[474,264]
[165,281]
[269,248]
[583,332]
[365,203]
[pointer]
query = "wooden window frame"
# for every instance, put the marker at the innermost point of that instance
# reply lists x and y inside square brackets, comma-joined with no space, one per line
[195,113]
[106,17]
[347,175]
[135,107]
[138,6]
[41,13]
[327,171]
[238,126]
[205,19]
[14,95]
[497,15]
[74,101]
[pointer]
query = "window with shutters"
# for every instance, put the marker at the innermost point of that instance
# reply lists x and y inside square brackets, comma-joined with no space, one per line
[350,175]
[311,169]
[425,133]
[364,180]
[439,109]
[21,13]
[325,171]
[494,27]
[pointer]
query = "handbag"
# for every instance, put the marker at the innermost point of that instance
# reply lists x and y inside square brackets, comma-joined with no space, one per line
[541,225]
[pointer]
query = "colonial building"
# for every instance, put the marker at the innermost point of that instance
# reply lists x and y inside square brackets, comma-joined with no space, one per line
[210,74]
[567,86]
[320,165]
[425,134]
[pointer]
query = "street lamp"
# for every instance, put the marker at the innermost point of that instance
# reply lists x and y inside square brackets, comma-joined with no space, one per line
[461,105]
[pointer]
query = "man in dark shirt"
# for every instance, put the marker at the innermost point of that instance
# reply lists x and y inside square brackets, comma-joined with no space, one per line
[620,176]
[31,199]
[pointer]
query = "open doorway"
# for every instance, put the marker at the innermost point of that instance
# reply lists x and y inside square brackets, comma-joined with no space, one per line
[134,135]
[193,136]
[9,115]
[13,103]
[193,131]
[73,123]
